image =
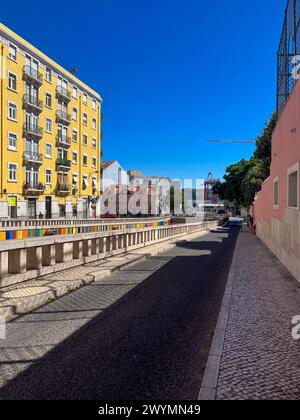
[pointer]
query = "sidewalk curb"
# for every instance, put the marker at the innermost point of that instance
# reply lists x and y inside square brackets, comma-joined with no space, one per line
[210,381]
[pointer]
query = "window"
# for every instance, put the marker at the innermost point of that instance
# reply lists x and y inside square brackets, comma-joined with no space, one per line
[75,112]
[84,98]
[276,192]
[75,179]
[12,111]
[85,182]
[12,81]
[75,92]
[48,176]
[48,125]
[293,194]
[85,119]
[12,52]
[12,141]
[75,136]
[84,160]
[94,162]
[12,172]
[48,150]
[94,143]
[48,100]
[94,183]
[94,105]
[48,74]
[94,123]
[85,140]
[74,158]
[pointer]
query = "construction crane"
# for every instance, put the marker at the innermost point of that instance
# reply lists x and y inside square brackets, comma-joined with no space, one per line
[231,141]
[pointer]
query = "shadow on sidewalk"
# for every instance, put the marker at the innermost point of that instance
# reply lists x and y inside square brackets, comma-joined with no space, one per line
[152,343]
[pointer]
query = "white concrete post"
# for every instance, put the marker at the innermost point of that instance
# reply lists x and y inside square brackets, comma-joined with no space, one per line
[67,252]
[3,264]
[39,257]
[22,260]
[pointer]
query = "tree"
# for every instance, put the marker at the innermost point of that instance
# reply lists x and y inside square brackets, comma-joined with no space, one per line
[243,179]
[263,150]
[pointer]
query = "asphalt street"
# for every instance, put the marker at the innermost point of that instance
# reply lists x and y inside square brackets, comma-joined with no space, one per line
[142,333]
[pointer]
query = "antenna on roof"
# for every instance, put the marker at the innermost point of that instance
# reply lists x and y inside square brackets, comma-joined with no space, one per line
[73,70]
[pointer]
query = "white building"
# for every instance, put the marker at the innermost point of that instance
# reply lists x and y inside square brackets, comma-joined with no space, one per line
[113,174]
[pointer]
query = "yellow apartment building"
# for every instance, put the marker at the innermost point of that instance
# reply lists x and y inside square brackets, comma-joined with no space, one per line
[50,134]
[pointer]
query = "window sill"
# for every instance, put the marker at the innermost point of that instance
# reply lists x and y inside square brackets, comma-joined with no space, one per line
[10,149]
[12,59]
[10,119]
[12,90]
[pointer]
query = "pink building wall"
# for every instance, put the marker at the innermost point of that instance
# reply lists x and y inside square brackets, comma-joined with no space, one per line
[285,154]
[279,227]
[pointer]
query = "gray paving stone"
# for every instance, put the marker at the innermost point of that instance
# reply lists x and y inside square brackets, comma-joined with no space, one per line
[260,359]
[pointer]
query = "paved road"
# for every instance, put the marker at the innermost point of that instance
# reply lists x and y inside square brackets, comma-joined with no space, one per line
[142,333]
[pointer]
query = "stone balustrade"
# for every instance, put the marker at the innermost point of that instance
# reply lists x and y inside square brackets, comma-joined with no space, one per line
[48,223]
[22,260]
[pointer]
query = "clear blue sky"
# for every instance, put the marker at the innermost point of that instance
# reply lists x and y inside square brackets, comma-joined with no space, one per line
[171,73]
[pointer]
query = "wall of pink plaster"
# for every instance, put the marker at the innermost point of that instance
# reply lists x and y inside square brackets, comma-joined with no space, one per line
[285,154]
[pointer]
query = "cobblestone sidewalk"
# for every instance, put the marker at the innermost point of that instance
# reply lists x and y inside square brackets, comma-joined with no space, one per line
[260,358]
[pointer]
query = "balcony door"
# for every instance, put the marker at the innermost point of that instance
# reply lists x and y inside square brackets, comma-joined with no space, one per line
[31,92]
[32,148]
[62,106]
[62,154]
[62,132]
[62,83]
[33,64]
[31,208]
[32,121]
[32,176]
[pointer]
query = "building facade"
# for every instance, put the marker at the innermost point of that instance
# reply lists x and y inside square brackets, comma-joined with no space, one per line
[113,174]
[50,134]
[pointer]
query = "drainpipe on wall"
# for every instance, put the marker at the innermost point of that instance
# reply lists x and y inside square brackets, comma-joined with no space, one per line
[2,112]
[80,151]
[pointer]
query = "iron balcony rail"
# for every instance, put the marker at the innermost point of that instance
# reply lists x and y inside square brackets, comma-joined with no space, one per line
[63,115]
[63,139]
[32,101]
[63,92]
[33,129]
[34,187]
[63,162]
[33,74]
[63,188]
[33,157]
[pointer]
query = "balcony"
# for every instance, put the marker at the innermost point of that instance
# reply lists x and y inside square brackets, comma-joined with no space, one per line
[63,189]
[32,75]
[31,102]
[63,93]
[75,189]
[63,117]
[32,130]
[63,164]
[33,189]
[62,140]
[30,157]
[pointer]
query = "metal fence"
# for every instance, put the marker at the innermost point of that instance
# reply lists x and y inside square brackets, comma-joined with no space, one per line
[289,48]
